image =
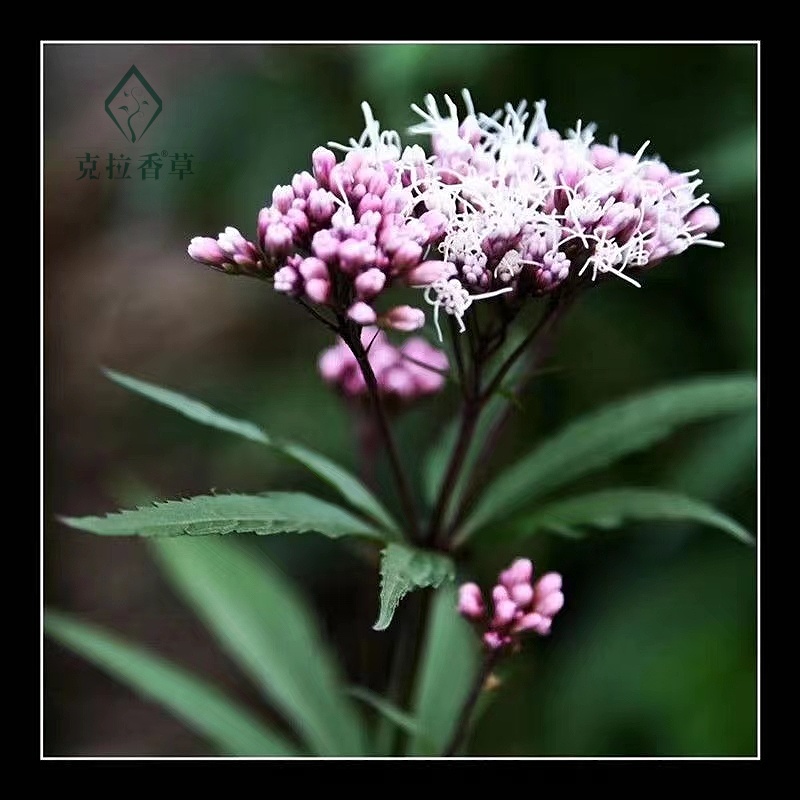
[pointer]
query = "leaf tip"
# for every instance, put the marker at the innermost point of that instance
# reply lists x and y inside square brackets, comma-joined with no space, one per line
[382,623]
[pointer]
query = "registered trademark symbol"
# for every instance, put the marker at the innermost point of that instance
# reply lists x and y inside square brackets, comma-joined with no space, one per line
[164,152]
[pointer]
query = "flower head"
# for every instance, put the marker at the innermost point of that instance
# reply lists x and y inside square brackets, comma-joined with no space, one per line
[529,210]
[519,605]
[407,373]
[504,208]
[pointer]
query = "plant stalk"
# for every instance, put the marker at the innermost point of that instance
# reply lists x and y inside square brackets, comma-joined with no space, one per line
[351,336]
[462,726]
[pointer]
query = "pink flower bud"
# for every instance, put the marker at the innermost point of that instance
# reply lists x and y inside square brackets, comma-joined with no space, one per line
[655,171]
[521,571]
[325,245]
[393,201]
[504,612]
[296,221]
[378,183]
[550,604]
[282,197]
[323,161]
[493,640]
[318,290]
[499,593]
[403,318]
[277,238]
[704,219]
[369,202]
[436,224]
[426,364]
[619,217]
[370,283]
[206,250]
[266,217]
[602,155]
[343,220]
[303,184]
[314,268]
[522,594]
[407,255]
[320,206]
[362,313]
[542,627]
[428,272]
[353,160]
[470,601]
[286,280]
[548,139]
[333,362]
[529,622]
[549,582]
[354,254]
[340,181]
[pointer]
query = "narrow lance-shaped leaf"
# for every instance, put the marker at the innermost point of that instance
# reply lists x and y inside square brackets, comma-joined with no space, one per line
[604,436]
[447,671]
[404,569]
[343,481]
[385,708]
[277,512]
[612,508]
[260,620]
[200,705]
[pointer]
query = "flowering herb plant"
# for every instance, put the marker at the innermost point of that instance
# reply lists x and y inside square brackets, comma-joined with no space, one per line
[503,218]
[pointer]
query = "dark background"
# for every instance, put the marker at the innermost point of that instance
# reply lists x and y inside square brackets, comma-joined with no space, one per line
[655,652]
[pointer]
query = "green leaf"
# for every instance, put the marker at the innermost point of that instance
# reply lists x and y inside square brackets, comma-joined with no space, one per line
[612,508]
[447,671]
[259,619]
[385,708]
[404,569]
[602,437]
[201,706]
[343,481]
[277,512]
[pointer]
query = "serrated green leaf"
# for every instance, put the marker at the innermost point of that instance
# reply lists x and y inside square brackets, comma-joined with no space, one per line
[449,665]
[205,515]
[343,481]
[604,436]
[261,621]
[404,569]
[614,507]
[200,705]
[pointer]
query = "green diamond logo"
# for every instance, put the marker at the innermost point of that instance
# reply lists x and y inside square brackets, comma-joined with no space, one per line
[133,105]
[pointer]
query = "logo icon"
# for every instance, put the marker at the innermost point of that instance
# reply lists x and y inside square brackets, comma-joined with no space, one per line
[133,105]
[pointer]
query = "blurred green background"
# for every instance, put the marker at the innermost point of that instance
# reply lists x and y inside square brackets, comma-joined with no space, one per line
[655,652]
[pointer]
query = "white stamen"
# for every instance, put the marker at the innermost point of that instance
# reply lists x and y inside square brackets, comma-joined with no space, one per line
[451,295]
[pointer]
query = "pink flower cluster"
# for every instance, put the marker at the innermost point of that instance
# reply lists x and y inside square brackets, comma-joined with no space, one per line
[510,206]
[342,234]
[519,605]
[558,206]
[404,374]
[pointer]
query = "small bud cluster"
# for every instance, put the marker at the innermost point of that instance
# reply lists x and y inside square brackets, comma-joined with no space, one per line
[404,374]
[519,605]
